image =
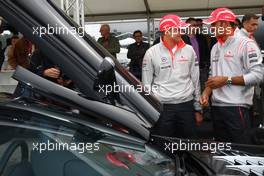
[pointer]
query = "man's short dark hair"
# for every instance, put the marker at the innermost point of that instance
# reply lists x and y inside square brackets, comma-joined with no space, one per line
[137,31]
[248,17]
[199,20]
[190,19]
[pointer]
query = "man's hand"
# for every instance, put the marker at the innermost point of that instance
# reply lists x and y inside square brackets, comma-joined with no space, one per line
[216,82]
[52,73]
[204,100]
[198,118]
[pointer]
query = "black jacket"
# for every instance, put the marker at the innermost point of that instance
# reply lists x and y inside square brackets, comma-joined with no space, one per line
[136,54]
[203,49]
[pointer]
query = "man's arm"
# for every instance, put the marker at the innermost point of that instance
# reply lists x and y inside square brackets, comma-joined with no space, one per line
[219,81]
[195,75]
[147,70]
[204,100]
[253,63]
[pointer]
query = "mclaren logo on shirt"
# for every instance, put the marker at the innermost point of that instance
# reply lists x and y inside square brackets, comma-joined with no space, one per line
[229,55]
[183,59]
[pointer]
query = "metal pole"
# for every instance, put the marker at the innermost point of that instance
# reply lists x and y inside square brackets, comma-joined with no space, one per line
[62,5]
[82,13]
[148,23]
[77,12]
[153,29]
[67,6]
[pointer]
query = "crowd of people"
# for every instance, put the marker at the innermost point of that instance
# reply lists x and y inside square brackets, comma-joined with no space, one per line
[194,70]
[191,71]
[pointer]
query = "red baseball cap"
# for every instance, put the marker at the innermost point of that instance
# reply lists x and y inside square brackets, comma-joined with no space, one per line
[171,21]
[221,14]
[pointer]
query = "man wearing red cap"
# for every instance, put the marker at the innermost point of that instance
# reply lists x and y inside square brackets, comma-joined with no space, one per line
[236,66]
[171,67]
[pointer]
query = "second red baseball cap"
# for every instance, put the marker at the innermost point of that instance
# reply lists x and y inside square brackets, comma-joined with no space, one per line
[221,14]
[171,21]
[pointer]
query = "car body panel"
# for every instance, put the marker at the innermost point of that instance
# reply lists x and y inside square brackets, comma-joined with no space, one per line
[78,57]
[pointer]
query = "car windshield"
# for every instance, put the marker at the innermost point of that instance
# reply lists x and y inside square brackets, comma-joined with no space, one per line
[55,147]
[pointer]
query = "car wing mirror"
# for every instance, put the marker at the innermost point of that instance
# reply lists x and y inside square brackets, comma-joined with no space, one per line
[106,81]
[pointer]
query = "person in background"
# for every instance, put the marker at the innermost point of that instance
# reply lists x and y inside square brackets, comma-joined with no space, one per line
[236,67]
[199,23]
[10,45]
[159,34]
[44,67]
[108,41]
[200,45]
[211,40]
[19,55]
[249,25]
[171,71]
[136,52]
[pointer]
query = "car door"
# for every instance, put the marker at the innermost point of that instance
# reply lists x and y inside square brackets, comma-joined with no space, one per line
[79,58]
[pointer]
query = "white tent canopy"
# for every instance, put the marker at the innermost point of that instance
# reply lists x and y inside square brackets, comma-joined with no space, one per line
[105,10]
